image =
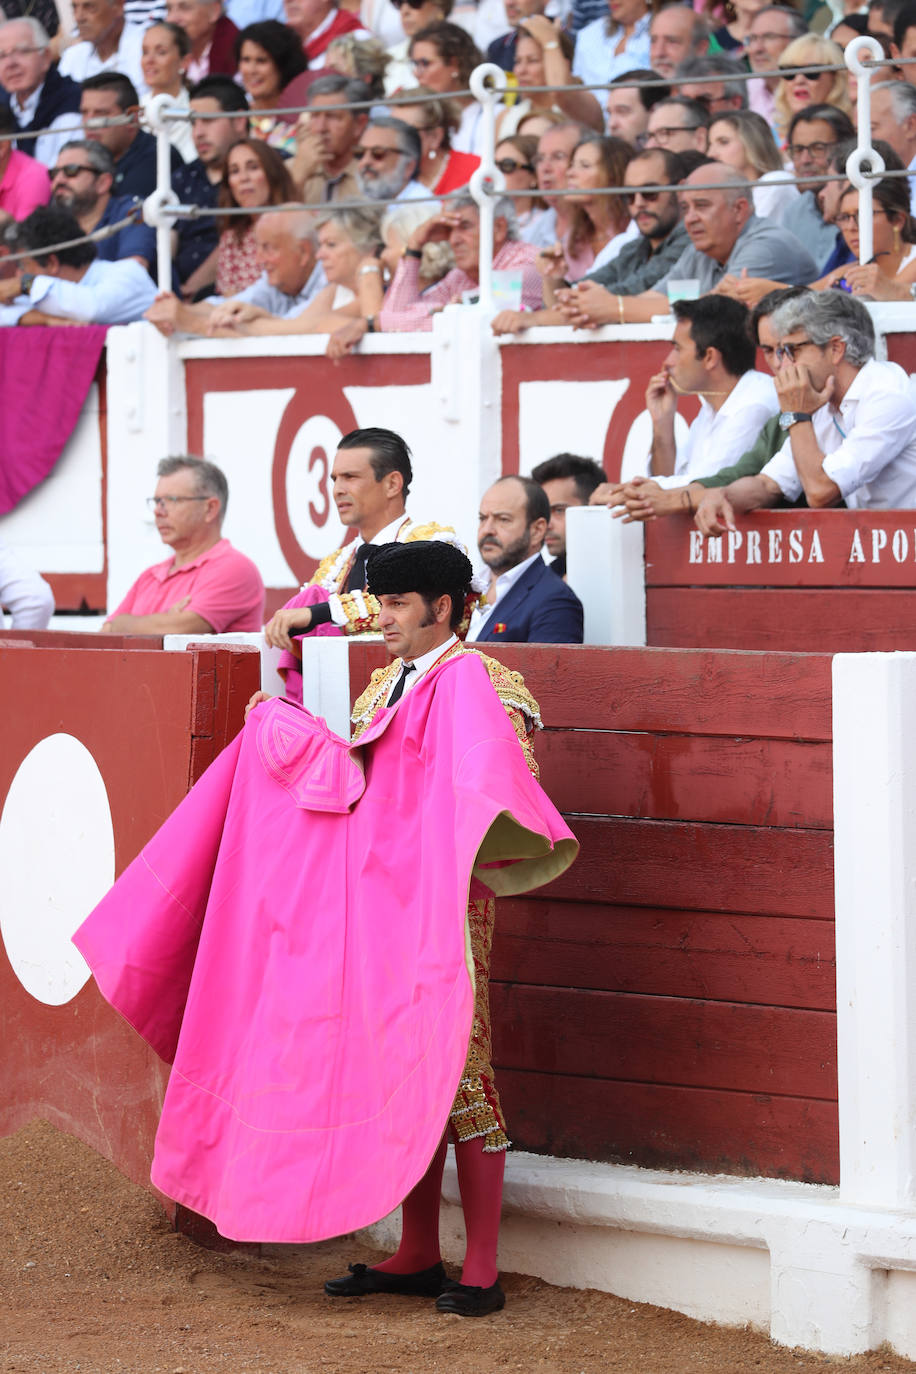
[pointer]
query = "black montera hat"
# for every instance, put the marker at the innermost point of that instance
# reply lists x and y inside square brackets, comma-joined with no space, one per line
[428,566]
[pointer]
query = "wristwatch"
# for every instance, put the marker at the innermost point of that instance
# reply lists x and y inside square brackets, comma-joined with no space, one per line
[788,418]
[25,282]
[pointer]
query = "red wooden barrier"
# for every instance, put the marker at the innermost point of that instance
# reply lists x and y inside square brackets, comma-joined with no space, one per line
[670,1000]
[152,722]
[826,581]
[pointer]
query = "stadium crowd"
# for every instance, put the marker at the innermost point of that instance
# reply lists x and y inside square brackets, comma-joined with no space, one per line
[334,145]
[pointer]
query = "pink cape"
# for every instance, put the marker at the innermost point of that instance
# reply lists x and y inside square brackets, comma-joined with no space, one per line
[293,939]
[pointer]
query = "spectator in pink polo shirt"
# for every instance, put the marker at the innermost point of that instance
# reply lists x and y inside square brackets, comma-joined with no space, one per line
[24,183]
[207,586]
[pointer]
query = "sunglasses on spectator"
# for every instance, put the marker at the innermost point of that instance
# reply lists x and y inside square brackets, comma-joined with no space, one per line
[818,150]
[376,154]
[509,164]
[789,350]
[72,169]
[650,197]
[790,74]
[412,4]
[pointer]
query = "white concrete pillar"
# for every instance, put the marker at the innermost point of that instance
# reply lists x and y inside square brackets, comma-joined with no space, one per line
[606,569]
[874,781]
[147,420]
[466,372]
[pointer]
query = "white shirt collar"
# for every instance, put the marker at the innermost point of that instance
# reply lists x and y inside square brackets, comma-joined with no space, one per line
[25,110]
[510,577]
[425,661]
[386,536]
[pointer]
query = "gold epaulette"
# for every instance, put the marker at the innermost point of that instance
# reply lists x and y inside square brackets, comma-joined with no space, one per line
[428,531]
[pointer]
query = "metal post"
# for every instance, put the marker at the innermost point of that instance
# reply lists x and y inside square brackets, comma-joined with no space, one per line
[487,180]
[155,207]
[864,153]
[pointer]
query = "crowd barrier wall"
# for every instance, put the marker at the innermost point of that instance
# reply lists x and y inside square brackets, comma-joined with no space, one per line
[669,1003]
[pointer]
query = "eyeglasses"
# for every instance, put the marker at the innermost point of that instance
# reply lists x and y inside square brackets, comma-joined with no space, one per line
[663,135]
[816,150]
[22,51]
[765,38]
[71,170]
[413,4]
[509,164]
[789,350]
[790,74]
[167,503]
[851,220]
[650,197]
[376,154]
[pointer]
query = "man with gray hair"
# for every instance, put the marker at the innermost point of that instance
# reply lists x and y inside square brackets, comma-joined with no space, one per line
[326,136]
[286,244]
[726,237]
[81,182]
[388,155]
[771,31]
[676,34]
[207,586]
[893,118]
[716,82]
[850,422]
[37,94]
[408,307]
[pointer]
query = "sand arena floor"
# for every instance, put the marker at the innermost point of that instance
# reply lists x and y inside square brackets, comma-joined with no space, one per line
[93,1280]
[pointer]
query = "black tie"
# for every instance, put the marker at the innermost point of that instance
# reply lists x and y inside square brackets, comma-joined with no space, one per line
[399,685]
[356,578]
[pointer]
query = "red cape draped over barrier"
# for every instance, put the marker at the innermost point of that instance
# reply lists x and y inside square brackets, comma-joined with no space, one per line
[45,376]
[294,940]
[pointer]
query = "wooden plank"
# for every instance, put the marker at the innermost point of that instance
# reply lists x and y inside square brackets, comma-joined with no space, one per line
[841,621]
[750,869]
[787,548]
[679,777]
[774,695]
[674,1040]
[659,1126]
[767,960]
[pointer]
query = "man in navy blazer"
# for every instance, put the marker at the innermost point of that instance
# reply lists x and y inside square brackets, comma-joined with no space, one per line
[527,603]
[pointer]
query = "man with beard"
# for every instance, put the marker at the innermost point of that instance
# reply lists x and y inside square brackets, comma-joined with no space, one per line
[525,602]
[388,155]
[81,182]
[596,299]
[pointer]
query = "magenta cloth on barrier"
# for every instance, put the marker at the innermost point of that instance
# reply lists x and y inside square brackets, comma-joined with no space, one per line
[45,376]
[293,940]
[309,596]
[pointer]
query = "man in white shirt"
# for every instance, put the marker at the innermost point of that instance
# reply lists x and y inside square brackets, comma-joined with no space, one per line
[850,421]
[70,285]
[109,43]
[26,596]
[712,356]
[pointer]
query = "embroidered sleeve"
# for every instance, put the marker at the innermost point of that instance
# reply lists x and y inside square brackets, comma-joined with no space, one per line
[356,613]
[373,697]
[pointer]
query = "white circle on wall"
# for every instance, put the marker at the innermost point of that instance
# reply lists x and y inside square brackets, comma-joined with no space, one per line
[57,861]
[309,502]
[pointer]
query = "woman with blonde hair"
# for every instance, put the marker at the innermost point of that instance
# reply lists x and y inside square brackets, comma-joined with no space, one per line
[744,140]
[801,87]
[442,168]
[349,243]
[363,58]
